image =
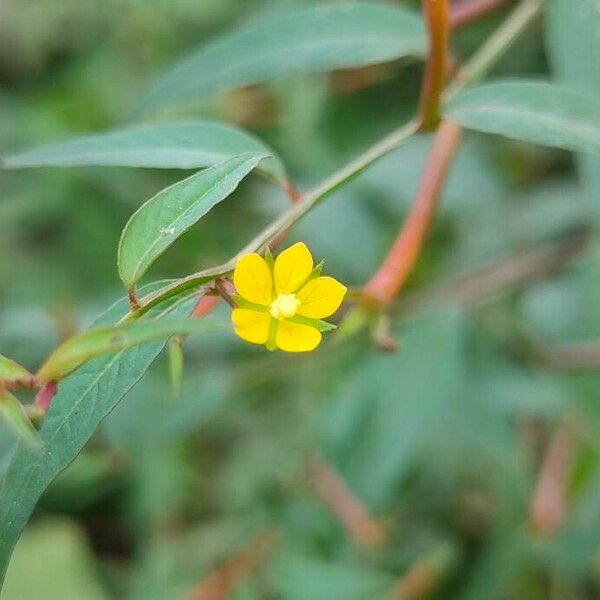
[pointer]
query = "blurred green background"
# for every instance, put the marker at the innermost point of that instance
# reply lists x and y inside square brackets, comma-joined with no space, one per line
[441,443]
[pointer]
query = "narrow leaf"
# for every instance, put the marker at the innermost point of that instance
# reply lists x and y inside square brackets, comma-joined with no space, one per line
[110,340]
[178,145]
[82,401]
[161,220]
[9,369]
[536,112]
[311,39]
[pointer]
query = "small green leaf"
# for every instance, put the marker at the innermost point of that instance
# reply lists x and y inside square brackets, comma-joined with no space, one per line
[11,411]
[9,369]
[111,340]
[178,145]
[161,220]
[537,112]
[310,39]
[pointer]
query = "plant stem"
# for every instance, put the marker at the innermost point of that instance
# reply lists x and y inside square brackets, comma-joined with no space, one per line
[286,220]
[221,583]
[464,12]
[549,501]
[387,282]
[45,395]
[205,305]
[573,356]
[437,19]
[423,577]
[508,274]
[495,46]
[483,60]
[350,511]
[384,286]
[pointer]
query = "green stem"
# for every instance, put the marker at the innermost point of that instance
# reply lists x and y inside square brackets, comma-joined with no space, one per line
[286,220]
[475,69]
[494,47]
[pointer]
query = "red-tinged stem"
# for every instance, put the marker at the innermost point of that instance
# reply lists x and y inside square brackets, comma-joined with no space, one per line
[387,282]
[424,576]
[548,507]
[437,18]
[350,511]
[465,12]
[293,194]
[205,305]
[221,583]
[29,382]
[133,299]
[45,395]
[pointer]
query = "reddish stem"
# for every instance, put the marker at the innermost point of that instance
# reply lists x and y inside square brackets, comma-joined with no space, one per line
[224,579]
[437,19]
[45,395]
[292,192]
[350,511]
[205,305]
[549,501]
[28,382]
[464,12]
[133,299]
[387,282]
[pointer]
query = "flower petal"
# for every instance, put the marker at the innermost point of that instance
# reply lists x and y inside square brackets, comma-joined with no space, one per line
[292,268]
[320,297]
[252,279]
[251,325]
[293,337]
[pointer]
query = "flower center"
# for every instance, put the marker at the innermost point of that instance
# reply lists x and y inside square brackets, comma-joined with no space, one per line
[284,306]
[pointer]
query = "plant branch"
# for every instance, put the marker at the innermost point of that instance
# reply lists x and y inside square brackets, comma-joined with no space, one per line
[548,506]
[515,24]
[495,46]
[223,580]
[513,272]
[436,17]
[424,576]
[351,512]
[387,282]
[286,220]
[27,383]
[464,12]
[573,356]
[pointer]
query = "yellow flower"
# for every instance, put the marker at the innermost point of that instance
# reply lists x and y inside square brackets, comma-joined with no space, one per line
[281,302]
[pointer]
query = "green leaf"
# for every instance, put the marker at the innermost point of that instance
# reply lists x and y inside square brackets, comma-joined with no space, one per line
[310,39]
[537,112]
[573,40]
[178,145]
[82,401]
[11,411]
[110,340]
[161,220]
[9,369]
[402,397]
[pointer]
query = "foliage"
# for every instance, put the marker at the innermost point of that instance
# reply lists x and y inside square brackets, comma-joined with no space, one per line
[441,442]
